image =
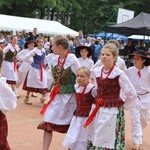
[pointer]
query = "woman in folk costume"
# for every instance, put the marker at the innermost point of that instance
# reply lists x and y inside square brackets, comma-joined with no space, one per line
[76,137]
[7,103]
[139,75]
[9,65]
[36,79]
[58,112]
[84,52]
[106,123]
[24,66]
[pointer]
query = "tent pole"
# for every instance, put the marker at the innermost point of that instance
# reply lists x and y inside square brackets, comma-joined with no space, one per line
[107,21]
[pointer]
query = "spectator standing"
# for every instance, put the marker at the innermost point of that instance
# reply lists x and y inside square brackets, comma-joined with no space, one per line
[97,49]
[80,40]
[141,46]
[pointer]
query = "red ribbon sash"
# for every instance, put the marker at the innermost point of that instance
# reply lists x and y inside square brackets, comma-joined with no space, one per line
[54,92]
[55,89]
[15,65]
[93,114]
[41,71]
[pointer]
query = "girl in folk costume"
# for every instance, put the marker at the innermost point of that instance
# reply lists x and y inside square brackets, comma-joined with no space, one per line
[7,103]
[76,137]
[58,112]
[139,75]
[24,67]
[36,79]
[106,123]
[84,52]
[9,65]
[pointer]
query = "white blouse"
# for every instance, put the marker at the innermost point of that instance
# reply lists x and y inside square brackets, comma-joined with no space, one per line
[71,61]
[24,67]
[86,62]
[11,48]
[141,84]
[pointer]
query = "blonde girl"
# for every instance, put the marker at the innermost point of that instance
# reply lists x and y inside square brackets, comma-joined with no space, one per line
[106,123]
[76,137]
[58,112]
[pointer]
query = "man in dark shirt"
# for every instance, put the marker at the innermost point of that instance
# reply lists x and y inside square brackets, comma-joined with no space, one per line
[129,48]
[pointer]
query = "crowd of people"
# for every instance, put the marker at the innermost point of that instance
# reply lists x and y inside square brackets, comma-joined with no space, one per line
[85,88]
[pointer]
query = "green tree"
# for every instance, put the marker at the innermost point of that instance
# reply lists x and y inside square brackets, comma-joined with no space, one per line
[89,16]
[26,8]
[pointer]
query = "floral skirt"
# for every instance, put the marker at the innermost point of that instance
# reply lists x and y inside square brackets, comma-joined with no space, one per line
[3,132]
[120,134]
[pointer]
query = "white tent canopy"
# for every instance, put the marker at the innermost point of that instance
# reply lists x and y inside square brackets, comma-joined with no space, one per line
[139,37]
[13,23]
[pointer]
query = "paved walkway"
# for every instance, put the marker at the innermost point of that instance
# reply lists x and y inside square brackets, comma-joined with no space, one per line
[23,133]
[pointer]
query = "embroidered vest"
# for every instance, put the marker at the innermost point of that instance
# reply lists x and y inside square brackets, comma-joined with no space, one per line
[109,90]
[65,78]
[38,60]
[84,104]
[10,56]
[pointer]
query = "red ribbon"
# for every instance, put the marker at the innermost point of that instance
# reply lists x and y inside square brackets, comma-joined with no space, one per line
[139,73]
[54,92]
[41,71]
[93,114]
[15,65]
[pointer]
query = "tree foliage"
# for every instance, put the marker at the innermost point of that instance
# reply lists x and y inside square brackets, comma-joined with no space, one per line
[89,16]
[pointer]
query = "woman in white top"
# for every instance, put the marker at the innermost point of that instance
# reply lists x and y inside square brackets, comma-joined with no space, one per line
[139,76]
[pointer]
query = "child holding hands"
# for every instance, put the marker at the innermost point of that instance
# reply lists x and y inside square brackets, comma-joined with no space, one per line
[76,137]
[58,112]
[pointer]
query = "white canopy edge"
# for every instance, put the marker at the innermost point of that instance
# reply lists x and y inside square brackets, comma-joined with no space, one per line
[139,37]
[13,23]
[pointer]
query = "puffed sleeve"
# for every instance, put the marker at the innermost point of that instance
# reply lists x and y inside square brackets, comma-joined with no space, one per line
[94,91]
[97,64]
[29,55]
[6,49]
[21,55]
[127,91]
[7,96]
[75,64]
